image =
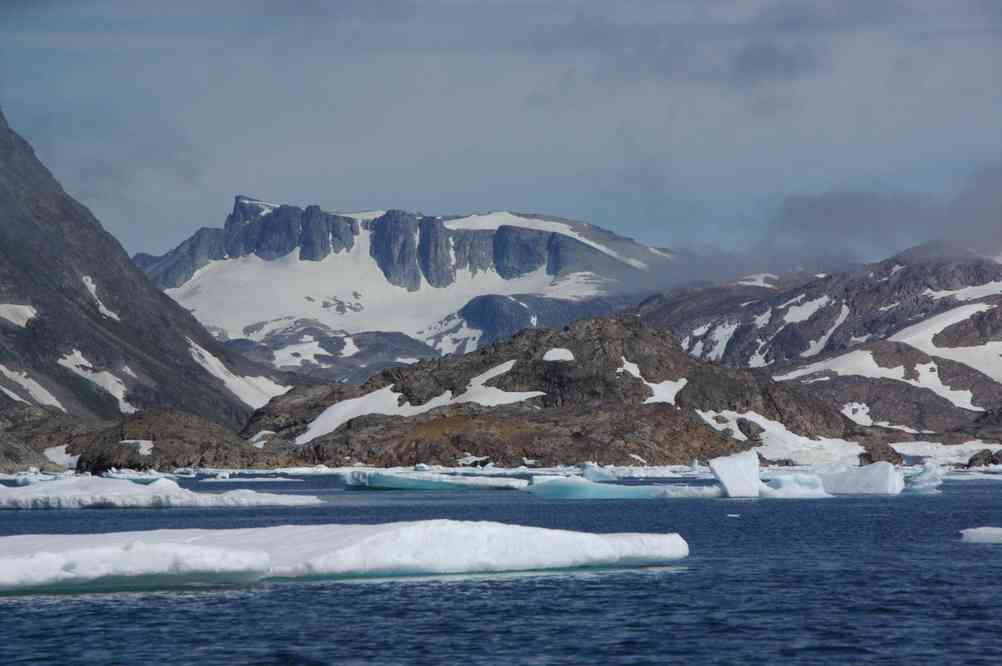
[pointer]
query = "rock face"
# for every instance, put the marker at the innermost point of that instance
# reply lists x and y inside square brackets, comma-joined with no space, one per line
[909,344]
[277,278]
[165,440]
[82,330]
[594,407]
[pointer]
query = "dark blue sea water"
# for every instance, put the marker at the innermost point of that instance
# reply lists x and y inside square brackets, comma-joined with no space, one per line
[881,580]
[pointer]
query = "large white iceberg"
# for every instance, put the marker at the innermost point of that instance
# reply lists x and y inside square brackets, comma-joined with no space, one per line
[87,492]
[399,480]
[177,557]
[737,473]
[982,535]
[880,478]
[557,487]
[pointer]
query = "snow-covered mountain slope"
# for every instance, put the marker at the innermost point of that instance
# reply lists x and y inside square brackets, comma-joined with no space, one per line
[83,332]
[912,343]
[306,289]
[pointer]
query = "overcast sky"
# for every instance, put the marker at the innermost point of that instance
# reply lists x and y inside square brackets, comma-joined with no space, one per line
[838,127]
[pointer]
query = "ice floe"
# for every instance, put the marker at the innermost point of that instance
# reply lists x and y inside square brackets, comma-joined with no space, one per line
[982,535]
[795,485]
[926,481]
[880,478]
[394,480]
[173,558]
[549,487]
[84,492]
[594,472]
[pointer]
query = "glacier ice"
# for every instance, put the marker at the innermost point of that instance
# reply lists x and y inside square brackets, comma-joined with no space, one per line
[795,485]
[558,487]
[83,492]
[738,474]
[163,558]
[982,535]
[879,478]
[925,482]
[594,472]
[387,480]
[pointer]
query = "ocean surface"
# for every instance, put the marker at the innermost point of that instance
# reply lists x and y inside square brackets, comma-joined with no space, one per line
[861,580]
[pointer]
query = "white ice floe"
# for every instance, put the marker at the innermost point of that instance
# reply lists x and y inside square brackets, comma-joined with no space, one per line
[594,472]
[982,535]
[36,391]
[550,487]
[880,478]
[254,391]
[793,485]
[178,557]
[558,354]
[96,492]
[662,391]
[394,480]
[862,363]
[77,363]
[19,315]
[92,288]
[386,401]
[59,456]
[780,443]
[737,473]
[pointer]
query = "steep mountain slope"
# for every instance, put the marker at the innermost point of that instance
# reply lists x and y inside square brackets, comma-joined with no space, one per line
[83,331]
[322,292]
[912,342]
[610,390]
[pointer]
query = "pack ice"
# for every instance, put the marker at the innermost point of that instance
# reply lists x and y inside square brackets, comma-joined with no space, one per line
[87,492]
[382,480]
[164,558]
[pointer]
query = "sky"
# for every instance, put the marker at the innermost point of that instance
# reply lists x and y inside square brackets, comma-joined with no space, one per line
[770,128]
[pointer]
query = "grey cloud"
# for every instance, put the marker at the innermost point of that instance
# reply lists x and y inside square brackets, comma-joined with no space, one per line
[769,61]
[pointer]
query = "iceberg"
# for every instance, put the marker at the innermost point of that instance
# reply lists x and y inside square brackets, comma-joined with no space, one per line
[172,558]
[879,478]
[88,492]
[738,474]
[380,480]
[982,535]
[925,482]
[793,486]
[594,472]
[558,487]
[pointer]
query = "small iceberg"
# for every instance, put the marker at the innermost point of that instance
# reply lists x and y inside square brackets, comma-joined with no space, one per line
[797,485]
[172,558]
[559,487]
[982,535]
[879,478]
[738,474]
[90,492]
[925,482]
[379,480]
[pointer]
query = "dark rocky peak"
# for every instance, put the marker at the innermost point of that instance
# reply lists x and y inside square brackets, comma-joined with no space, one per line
[933,251]
[394,246]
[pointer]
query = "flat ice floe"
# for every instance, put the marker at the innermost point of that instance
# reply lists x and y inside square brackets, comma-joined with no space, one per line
[982,535]
[582,489]
[393,480]
[169,558]
[86,492]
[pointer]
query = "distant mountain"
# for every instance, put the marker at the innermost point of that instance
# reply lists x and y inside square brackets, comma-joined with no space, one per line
[83,332]
[913,343]
[611,390]
[343,295]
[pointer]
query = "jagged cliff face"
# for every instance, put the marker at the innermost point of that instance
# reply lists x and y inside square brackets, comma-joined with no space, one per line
[332,294]
[82,331]
[912,342]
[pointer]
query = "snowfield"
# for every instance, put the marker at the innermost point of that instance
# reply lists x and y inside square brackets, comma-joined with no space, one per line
[19,315]
[164,558]
[88,492]
[254,391]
